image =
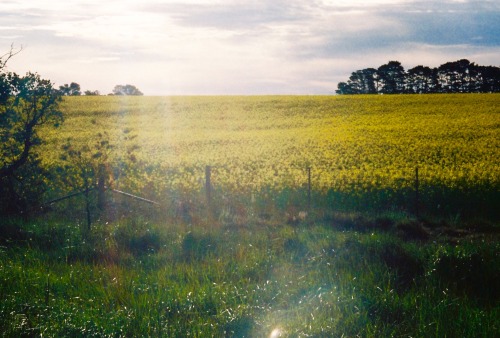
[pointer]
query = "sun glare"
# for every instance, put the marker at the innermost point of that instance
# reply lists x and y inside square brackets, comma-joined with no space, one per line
[277,332]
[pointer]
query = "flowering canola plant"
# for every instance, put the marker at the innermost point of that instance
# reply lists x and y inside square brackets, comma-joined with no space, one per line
[351,143]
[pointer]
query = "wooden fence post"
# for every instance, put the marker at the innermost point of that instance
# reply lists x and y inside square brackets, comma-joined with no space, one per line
[309,188]
[87,208]
[101,196]
[208,188]
[417,197]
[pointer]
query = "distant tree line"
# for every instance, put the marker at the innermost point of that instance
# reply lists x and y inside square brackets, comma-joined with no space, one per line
[73,89]
[126,90]
[460,76]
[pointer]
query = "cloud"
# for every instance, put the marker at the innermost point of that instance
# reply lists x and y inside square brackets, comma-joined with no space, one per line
[464,22]
[238,46]
[411,32]
[230,16]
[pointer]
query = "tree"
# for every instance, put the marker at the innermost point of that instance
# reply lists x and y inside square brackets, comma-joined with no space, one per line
[460,76]
[356,82]
[70,90]
[392,77]
[451,76]
[126,90]
[5,86]
[26,104]
[92,93]
[344,89]
[360,82]
[419,80]
[489,79]
[370,80]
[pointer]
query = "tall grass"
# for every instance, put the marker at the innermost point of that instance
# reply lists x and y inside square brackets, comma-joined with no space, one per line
[133,278]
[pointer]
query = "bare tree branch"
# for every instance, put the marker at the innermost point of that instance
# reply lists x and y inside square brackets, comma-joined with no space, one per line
[6,57]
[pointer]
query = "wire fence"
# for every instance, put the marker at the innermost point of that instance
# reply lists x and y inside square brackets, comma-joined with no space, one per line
[214,200]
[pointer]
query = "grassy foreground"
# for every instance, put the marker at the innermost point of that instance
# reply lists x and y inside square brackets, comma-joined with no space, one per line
[347,276]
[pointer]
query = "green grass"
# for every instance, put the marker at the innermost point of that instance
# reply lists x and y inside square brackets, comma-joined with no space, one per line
[357,264]
[133,278]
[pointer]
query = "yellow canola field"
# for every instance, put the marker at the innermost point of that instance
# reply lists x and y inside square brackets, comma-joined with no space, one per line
[351,143]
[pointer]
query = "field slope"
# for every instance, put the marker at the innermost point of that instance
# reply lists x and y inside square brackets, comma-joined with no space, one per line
[362,150]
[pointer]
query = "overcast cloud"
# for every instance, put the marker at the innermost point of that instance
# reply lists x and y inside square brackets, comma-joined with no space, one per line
[240,46]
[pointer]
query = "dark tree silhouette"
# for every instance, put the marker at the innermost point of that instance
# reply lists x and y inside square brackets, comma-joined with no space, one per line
[489,79]
[72,89]
[392,77]
[92,93]
[460,76]
[420,80]
[360,82]
[344,89]
[26,103]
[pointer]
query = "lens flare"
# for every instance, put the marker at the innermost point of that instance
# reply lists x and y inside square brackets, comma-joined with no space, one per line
[277,332]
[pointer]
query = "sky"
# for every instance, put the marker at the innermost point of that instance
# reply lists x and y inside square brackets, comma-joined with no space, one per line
[232,47]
